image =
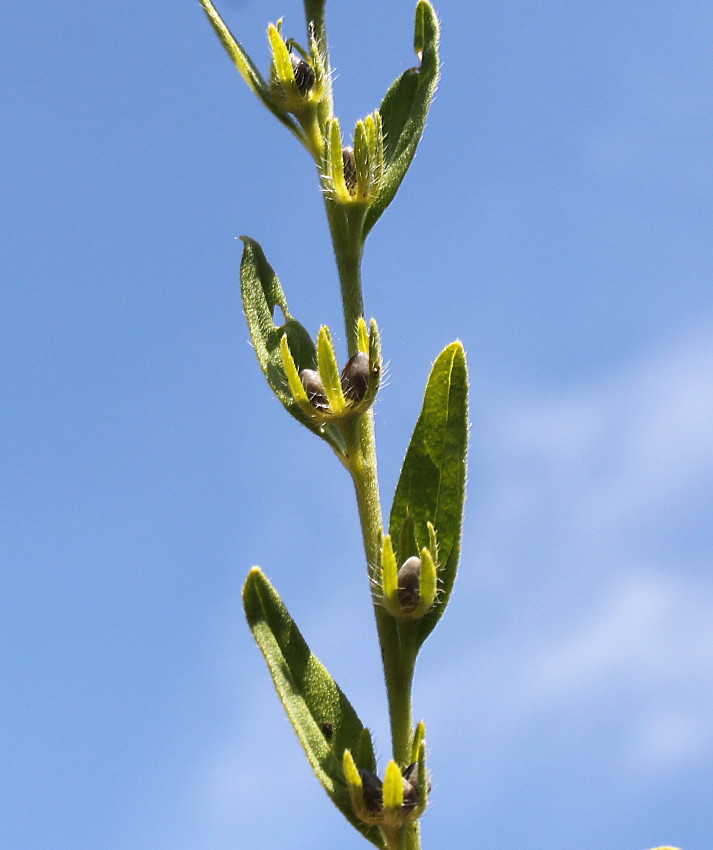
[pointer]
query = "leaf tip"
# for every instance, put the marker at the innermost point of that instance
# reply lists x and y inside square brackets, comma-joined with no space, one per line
[254,577]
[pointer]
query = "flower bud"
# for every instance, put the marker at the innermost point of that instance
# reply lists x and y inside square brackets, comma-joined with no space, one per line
[372,787]
[314,388]
[304,75]
[409,583]
[350,171]
[355,377]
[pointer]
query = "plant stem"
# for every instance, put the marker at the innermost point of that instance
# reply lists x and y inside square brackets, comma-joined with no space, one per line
[396,645]
[315,19]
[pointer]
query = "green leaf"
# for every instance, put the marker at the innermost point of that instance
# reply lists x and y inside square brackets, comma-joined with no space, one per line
[310,696]
[262,293]
[246,67]
[431,486]
[404,110]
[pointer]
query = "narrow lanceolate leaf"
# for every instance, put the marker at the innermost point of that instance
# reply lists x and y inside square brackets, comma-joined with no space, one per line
[431,486]
[323,718]
[404,110]
[246,67]
[262,293]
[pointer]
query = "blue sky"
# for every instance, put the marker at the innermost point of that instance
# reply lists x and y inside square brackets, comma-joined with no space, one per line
[558,220]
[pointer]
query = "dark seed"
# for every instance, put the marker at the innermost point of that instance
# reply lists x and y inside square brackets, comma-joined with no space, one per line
[372,786]
[409,583]
[327,731]
[355,376]
[411,775]
[304,75]
[410,795]
[411,779]
[349,166]
[314,388]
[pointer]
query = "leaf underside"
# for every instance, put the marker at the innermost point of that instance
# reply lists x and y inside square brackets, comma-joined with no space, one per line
[431,486]
[312,699]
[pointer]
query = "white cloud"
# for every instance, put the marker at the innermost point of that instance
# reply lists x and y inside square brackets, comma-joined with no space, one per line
[636,439]
[592,603]
[668,737]
[652,636]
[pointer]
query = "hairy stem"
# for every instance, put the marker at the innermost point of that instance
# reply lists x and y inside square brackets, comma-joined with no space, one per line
[316,25]
[396,645]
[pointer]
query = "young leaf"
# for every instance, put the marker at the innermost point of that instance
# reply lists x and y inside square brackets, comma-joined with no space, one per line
[431,486]
[404,110]
[261,293]
[310,696]
[246,68]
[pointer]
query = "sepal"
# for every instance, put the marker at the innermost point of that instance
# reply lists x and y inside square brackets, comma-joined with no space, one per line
[329,372]
[393,796]
[398,800]
[352,176]
[325,396]
[417,777]
[419,736]
[409,591]
[295,82]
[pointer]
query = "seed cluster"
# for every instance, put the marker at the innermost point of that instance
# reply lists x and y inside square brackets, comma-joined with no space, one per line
[373,789]
[354,381]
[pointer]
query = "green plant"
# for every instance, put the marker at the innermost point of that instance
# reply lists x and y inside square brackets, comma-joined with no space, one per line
[412,563]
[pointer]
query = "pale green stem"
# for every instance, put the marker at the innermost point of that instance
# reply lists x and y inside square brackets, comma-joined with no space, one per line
[397,651]
[314,16]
